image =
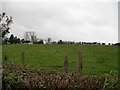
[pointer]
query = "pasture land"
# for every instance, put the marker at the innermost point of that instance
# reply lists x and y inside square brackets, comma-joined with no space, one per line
[96,59]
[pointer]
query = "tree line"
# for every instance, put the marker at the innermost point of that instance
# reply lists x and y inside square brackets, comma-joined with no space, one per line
[6,21]
[15,40]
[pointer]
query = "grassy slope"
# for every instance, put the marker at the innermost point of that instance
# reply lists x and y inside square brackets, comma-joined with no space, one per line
[96,59]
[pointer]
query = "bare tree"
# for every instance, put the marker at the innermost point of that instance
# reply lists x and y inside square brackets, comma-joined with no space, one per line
[30,36]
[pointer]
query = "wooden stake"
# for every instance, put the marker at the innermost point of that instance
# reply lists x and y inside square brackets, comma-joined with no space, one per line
[79,63]
[66,65]
[23,58]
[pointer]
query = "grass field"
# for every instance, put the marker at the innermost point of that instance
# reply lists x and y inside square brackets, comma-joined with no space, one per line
[96,59]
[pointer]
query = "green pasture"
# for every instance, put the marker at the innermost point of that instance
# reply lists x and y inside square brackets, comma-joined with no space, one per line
[96,59]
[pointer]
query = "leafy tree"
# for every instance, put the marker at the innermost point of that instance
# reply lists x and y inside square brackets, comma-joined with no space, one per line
[27,41]
[11,39]
[49,40]
[18,41]
[40,42]
[22,41]
[6,40]
[60,42]
[5,22]
[14,40]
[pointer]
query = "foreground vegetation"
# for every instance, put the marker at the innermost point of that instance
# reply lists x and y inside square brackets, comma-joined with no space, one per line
[43,67]
[97,60]
[17,77]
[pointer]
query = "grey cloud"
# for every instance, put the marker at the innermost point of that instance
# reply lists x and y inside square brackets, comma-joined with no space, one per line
[68,21]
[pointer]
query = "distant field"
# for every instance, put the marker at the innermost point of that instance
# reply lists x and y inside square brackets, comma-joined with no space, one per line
[96,59]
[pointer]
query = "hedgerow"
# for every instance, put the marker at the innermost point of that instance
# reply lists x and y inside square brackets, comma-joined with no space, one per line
[17,77]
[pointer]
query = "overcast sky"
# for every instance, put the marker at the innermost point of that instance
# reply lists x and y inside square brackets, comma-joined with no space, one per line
[70,20]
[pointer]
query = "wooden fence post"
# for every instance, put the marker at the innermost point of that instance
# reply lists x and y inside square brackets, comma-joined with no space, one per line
[79,63]
[66,65]
[23,58]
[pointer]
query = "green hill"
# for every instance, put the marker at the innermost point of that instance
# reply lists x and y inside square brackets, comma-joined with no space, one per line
[96,59]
